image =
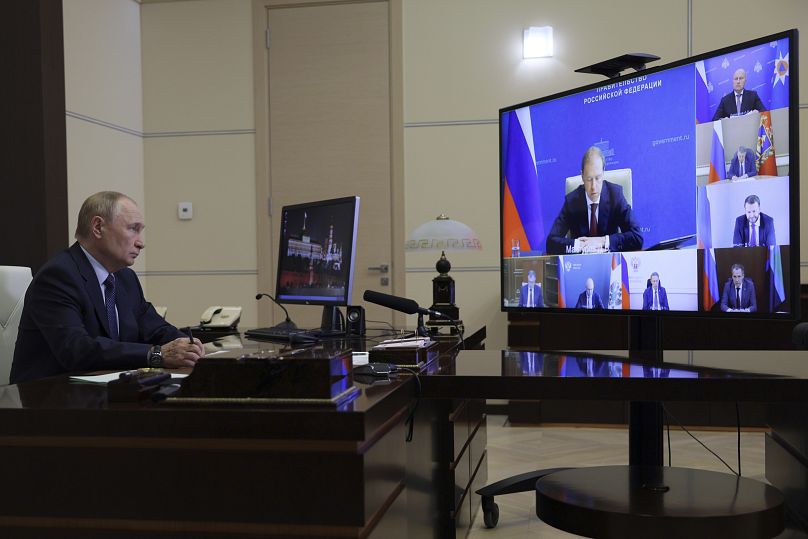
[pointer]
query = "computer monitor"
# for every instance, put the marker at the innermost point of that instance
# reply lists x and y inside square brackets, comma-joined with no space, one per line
[316,255]
[647,194]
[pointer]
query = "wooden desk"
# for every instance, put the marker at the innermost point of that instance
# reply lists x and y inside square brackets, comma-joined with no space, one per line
[75,465]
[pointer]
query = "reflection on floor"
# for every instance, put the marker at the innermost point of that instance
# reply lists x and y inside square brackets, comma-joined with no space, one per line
[515,450]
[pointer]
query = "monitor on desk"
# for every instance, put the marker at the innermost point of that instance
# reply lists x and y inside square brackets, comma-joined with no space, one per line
[651,177]
[316,255]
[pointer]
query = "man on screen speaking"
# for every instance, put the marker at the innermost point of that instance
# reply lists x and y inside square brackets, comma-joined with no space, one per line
[754,228]
[739,100]
[739,293]
[596,215]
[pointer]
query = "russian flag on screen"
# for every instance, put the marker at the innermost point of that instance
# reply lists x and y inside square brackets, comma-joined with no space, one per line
[718,168]
[702,95]
[522,218]
[709,281]
[704,233]
[561,283]
[777,289]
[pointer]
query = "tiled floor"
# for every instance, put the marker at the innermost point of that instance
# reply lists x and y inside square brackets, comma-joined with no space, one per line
[514,450]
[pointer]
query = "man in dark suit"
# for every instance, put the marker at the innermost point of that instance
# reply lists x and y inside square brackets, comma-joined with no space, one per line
[739,293]
[85,309]
[589,299]
[596,215]
[753,228]
[738,101]
[742,165]
[654,298]
[530,295]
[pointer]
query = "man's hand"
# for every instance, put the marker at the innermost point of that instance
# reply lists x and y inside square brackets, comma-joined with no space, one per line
[182,353]
[592,244]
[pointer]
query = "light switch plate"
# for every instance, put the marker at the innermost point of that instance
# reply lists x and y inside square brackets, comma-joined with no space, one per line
[185,211]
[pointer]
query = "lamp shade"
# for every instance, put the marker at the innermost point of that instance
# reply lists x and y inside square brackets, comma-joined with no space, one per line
[443,234]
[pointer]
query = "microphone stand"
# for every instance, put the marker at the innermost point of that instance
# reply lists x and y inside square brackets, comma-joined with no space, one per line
[287,324]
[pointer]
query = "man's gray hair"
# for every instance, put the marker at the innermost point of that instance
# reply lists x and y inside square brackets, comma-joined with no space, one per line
[103,204]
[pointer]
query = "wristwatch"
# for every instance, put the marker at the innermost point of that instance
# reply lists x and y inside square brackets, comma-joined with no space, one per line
[155,357]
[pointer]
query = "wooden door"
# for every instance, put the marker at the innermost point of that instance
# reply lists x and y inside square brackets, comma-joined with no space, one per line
[329,129]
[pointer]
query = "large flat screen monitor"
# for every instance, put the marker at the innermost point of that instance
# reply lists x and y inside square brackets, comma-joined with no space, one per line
[670,190]
[316,254]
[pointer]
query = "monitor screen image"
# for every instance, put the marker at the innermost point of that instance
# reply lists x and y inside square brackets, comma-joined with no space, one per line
[672,190]
[317,247]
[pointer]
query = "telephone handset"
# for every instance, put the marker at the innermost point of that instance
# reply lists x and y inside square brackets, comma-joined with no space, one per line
[220,317]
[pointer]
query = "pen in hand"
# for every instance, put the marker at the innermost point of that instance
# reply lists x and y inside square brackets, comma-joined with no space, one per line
[190,335]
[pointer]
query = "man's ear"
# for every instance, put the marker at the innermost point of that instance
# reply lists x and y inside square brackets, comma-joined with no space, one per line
[96,226]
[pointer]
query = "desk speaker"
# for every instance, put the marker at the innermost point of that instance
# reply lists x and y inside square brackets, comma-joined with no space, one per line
[355,320]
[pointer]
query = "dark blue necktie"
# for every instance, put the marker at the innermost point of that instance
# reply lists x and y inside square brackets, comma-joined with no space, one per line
[109,301]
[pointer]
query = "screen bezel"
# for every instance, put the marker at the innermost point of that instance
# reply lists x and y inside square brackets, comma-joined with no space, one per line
[793,151]
[338,300]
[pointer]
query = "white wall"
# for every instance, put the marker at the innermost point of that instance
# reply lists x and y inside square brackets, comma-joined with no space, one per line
[103,102]
[199,147]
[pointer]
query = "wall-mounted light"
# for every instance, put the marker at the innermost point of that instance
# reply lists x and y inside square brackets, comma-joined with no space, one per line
[538,42]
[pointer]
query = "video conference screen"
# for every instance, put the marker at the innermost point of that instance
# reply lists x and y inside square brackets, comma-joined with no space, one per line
[672,189]
[316,258]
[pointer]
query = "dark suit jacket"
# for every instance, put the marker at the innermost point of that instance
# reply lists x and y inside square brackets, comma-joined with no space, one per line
[748,162]
[748,299]
[538,300]
[740,237]
[614,213]
[64,328]
[648,299]
[596,303]
[749,101]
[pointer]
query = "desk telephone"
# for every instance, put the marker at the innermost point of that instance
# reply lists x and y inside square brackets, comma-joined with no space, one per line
[220,317]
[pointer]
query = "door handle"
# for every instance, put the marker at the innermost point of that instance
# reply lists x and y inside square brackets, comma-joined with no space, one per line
[382,268]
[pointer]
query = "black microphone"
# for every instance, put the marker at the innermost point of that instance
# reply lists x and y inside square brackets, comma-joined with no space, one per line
[404,305]
[288,323]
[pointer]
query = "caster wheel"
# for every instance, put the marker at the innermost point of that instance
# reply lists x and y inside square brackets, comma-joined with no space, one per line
[491,515]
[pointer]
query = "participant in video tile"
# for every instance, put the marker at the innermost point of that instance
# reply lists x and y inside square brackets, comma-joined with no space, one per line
[655,298]
[530,295]
[596,215]
[754,228]
[589,299]
[739,100]
[739,293]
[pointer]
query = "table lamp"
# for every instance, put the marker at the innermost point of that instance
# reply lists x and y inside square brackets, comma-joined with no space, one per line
[443,234]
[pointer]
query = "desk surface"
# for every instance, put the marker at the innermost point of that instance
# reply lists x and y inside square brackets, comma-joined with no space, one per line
[704,376]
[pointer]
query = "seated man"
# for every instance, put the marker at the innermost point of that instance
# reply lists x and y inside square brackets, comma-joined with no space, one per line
[739,293]
[589,299]
[596,215]
[739,100]
[530,295]
[85,309]
[753,228]
[742,165]
[654,298]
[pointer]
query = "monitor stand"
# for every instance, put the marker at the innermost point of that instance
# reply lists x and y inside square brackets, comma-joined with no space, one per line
[646,420]
[332,323]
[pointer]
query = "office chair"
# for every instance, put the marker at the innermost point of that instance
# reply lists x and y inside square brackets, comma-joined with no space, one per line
[619,176]
[14,281]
